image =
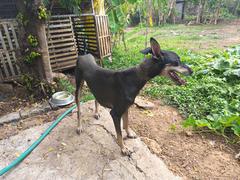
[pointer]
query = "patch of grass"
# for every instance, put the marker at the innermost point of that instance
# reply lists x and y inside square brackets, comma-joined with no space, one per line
[87,97]
[65,85]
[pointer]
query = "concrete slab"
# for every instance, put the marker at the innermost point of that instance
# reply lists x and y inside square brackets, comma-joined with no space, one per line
[92,155]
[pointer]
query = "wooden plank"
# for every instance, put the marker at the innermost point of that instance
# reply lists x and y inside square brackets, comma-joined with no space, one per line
[7,55]
[14,35]
[85,27]
[60,35]
[86,30]
[74,38]
[1,76]
[88,45]
[57,69]
[56,41]
[62,50]
[84,24]
[97,35]
[82,39]
[8,36]
[86,36]
[11,47]
[88,48]
[58,46]
[94,49]
[106,36]
[59,26]
[60,31]
[62,54]
[86,33]
[15,63]
[64,64]
[63,59]
[58,21]
[4,65]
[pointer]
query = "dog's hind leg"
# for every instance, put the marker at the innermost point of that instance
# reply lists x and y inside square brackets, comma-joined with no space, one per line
[96,114]
[125,125]
[79,85]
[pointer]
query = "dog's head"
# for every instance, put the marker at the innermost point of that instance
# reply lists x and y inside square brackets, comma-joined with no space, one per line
[170,60]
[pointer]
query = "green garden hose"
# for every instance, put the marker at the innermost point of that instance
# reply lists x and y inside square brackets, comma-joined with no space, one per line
[36,143]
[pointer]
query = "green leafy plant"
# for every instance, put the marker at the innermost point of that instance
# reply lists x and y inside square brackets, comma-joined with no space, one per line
[42,13]
[21,19]
[33,55]
[211,98]
[65,85]
[32,41]
[36,88]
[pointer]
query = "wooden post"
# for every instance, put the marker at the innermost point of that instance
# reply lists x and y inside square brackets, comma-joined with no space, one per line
[46,70]
[42,68]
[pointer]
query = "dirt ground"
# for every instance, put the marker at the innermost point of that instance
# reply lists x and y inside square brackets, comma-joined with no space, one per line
[188,154]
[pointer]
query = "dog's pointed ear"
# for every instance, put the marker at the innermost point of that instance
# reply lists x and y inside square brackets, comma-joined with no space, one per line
[156,50]
[146,51]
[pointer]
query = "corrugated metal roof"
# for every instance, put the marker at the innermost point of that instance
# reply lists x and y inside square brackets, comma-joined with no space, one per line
[8,9]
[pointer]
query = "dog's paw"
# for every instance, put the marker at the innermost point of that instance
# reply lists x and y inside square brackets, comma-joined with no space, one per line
[126,151]
[97,116]
[79,130]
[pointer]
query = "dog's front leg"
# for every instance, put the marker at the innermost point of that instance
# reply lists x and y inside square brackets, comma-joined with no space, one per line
[96,115]
[117,123]
[129,132]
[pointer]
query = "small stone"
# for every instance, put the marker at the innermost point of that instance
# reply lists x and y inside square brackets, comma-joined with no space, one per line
[59,76]
[237,156]
[212,143]
[6,88]
[153,145]
[143,103]
[189,133]
[9,117]
[64,144]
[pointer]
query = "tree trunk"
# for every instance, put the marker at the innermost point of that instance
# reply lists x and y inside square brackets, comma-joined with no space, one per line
[150,13]
[146,36]
[140,17]
[200,11]
[123,40]
[216,15]
[159,17]
[99,7]
[236,8]
[41,67]
[45,60]
[45,68]
[171,13]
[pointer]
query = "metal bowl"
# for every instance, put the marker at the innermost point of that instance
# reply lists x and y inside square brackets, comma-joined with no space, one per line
[62,98]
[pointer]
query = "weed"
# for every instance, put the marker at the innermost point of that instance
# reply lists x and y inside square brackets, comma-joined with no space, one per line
[65,85]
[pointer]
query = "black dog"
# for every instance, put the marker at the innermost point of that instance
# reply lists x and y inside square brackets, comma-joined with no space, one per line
[117,89]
